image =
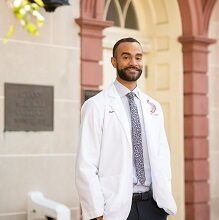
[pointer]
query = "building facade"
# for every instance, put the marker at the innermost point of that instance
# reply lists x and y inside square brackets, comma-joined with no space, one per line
[72,55]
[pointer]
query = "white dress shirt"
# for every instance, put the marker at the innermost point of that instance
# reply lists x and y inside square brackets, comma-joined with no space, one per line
[122,91]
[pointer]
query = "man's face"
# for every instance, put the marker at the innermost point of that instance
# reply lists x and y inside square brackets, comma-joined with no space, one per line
[128,61]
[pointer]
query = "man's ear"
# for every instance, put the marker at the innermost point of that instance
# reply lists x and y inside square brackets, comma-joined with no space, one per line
[113,61]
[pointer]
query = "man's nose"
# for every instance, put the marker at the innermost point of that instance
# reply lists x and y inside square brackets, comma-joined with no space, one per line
[133,62]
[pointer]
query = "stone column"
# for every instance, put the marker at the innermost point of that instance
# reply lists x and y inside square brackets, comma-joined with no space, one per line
[195,55]
[91,26]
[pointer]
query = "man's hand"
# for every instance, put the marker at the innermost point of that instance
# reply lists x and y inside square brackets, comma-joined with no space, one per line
[100,218]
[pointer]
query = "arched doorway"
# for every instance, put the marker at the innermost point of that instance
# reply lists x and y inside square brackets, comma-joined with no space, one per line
[157,26]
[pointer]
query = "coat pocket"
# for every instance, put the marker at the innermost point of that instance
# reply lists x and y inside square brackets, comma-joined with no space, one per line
[115,192]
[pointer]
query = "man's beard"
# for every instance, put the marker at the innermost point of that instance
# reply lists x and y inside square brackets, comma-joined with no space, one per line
[125,76]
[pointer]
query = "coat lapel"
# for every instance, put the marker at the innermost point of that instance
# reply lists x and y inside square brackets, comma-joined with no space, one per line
[146,110]
[117,106]
[149,110]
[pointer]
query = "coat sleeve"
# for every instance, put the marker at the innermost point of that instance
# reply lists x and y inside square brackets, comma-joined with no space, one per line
[87,160]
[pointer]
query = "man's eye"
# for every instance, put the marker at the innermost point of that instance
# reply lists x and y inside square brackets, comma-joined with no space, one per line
[139,58]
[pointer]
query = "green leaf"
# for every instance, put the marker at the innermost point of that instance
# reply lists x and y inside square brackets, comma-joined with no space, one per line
[9,34]
[18,15]
[39,22]
[40,3]
[31,28]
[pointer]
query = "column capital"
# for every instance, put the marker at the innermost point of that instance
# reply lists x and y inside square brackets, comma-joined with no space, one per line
[195,53]
[191,39]
[90,26]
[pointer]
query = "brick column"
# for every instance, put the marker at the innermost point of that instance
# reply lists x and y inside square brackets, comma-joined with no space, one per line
[91,26]
[195,59]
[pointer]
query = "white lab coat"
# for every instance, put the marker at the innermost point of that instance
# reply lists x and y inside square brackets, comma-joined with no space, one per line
[104,169]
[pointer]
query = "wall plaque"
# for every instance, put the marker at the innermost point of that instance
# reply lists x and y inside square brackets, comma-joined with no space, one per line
[28,107]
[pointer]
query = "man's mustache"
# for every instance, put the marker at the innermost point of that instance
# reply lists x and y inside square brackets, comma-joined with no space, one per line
[132,67]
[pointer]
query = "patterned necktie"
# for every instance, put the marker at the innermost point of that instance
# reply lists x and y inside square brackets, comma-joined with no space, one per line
[136,139]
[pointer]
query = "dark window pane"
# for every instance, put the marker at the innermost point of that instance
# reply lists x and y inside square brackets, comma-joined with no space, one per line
[112,14]
[122,3]
[131,20]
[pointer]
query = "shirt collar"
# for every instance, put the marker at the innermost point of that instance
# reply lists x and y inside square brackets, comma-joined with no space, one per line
[122,90]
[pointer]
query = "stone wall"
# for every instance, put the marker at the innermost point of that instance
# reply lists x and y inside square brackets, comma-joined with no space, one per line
[41,160]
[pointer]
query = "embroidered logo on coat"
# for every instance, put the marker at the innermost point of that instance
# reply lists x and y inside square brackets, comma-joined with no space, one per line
[153,107]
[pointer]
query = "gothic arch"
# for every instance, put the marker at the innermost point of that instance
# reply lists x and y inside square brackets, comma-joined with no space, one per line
[195,16]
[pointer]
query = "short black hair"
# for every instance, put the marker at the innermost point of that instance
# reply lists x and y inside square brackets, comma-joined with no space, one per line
[123,40]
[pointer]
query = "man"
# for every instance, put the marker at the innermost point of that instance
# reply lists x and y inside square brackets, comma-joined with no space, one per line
[123,161]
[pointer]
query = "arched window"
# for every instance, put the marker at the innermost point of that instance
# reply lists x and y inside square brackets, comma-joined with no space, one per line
[122,12]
